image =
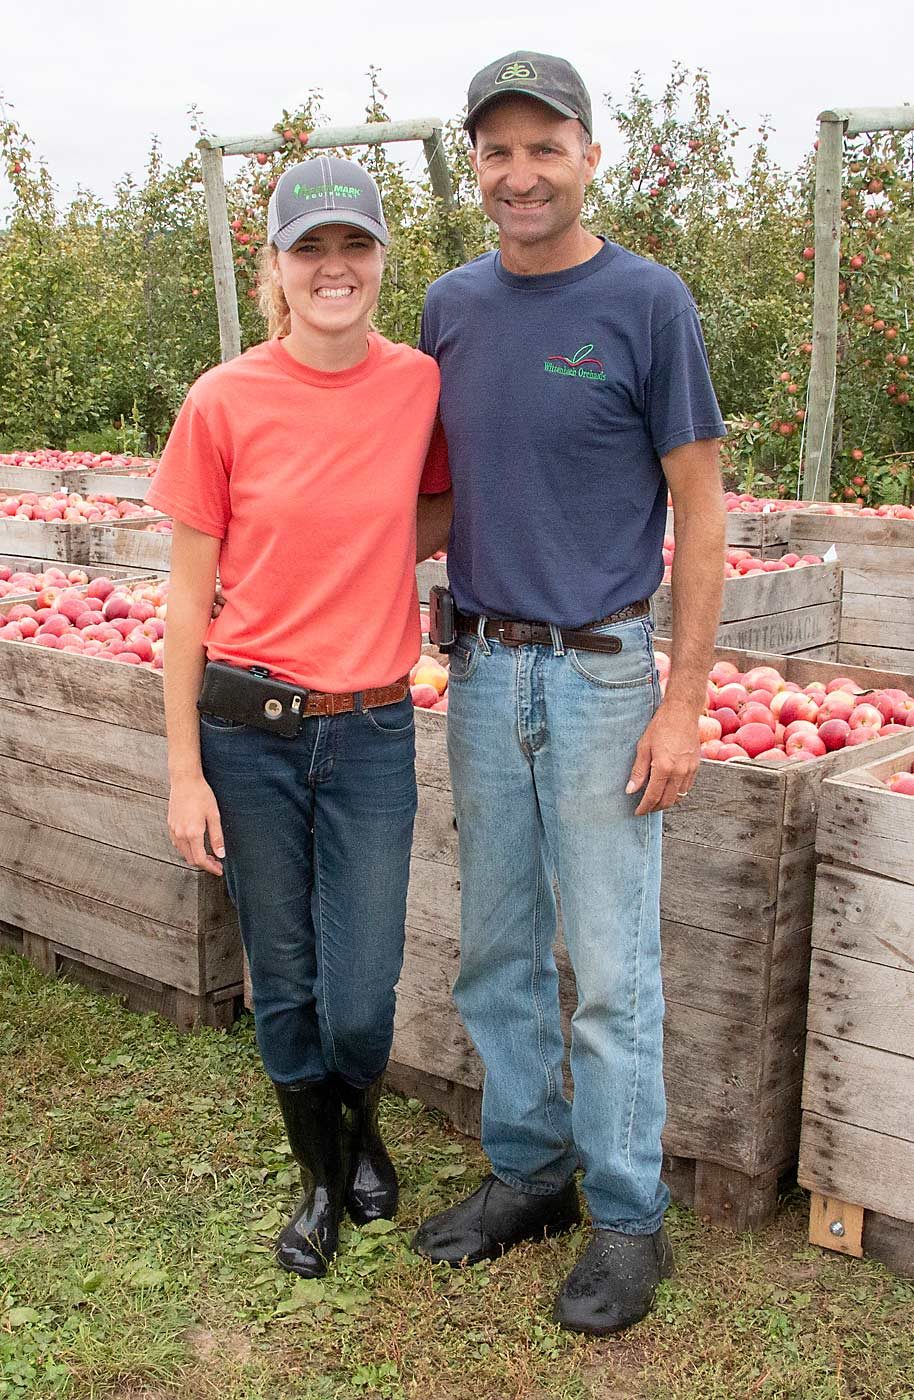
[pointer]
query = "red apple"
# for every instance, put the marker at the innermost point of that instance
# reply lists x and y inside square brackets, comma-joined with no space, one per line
[754,738]
[866,716]
[902,783]
[834,733]
[727,719]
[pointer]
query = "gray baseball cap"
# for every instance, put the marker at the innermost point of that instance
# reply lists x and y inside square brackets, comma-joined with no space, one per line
[324,190]
[551,80]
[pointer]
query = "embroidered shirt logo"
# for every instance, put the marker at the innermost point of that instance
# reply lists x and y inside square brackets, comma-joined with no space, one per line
[582,365]
[518,71]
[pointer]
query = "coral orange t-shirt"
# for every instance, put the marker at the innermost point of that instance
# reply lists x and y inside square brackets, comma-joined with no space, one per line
[310,480]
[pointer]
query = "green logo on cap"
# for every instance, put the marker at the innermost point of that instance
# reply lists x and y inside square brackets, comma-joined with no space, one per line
[518,70]
[323,191]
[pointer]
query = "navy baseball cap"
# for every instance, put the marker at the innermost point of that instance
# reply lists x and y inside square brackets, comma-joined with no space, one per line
[550,80]
[324,190]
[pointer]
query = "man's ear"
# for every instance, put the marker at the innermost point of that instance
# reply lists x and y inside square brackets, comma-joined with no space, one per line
[474,160]
[592,157]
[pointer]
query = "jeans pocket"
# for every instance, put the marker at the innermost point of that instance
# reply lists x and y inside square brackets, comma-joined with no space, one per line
[463,659]
[219,725]
[631,666]
[396,719]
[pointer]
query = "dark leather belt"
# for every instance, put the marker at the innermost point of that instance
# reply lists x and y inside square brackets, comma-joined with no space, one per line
[323,703]
[512,633]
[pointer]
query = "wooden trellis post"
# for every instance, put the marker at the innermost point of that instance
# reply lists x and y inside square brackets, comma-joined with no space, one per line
[214,149]
[833,127]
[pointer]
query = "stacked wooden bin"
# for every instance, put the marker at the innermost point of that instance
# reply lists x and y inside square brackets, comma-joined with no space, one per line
[877,607]
[90,884]
[739,868]
[857,1147]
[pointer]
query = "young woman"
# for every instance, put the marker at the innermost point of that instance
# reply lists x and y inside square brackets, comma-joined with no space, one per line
[295,470]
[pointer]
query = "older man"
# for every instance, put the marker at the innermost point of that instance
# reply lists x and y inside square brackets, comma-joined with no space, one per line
[575,391]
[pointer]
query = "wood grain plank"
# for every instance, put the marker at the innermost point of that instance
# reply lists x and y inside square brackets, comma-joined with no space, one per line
[866,827]
[88,748]
[858,1084]
[124,939]
[79,685]
[855,1164]
[868,1003]
[864,916]
[115,816]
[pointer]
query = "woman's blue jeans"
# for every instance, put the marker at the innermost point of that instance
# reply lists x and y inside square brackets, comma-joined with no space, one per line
[318,831]
[541,743]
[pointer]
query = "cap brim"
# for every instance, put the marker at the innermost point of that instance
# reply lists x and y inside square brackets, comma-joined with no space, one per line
[290,233]
[472,116]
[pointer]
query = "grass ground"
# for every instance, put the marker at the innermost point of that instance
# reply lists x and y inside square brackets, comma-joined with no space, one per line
[143,1174]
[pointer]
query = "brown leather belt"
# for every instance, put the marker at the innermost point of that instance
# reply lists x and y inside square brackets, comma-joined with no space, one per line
[323,703]
[512,633]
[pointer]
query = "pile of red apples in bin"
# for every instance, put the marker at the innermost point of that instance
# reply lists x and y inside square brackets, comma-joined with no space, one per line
[760,714]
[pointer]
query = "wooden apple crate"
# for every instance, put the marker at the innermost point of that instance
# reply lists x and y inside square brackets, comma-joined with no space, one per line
[40,479]
[138,548]
[765,535]
[736,906]
[38,566]
[857,1143]
[794,610]
[126,486]
[877,557]
[90,884]
[58,541]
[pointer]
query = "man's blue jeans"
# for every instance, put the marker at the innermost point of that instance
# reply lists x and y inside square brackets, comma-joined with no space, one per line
[541,743]
[318,831]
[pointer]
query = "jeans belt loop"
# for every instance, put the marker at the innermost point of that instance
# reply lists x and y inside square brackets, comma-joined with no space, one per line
[481,635]
[558,645]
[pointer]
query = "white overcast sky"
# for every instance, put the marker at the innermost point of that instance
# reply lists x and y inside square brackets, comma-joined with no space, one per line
[91,83]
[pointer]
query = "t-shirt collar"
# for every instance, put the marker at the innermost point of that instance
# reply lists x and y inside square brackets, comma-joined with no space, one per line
[326,379]
[545,281]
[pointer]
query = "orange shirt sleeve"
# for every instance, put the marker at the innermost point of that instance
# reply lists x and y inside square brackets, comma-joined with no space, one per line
[192,479]
[436,475]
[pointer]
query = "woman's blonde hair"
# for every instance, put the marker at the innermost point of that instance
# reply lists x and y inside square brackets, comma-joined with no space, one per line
[270,296]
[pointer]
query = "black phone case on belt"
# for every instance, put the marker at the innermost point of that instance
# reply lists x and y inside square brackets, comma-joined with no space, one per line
[233,693]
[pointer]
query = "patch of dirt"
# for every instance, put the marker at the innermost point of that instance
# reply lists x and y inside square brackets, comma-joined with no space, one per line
[205,1344]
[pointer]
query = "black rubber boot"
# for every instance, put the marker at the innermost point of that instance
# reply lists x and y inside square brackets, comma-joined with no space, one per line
[493,1219]
[613,1283]
[311,1113]
[372,1191]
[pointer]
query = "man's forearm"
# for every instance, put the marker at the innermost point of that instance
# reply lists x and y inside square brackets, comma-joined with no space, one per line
[433,523]
[697,587]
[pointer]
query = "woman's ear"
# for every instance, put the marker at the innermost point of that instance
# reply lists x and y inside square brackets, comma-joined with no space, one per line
[275,274]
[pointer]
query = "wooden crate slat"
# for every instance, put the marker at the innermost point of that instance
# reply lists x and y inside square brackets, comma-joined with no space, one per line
[43,539]
[137,548]
[878,607]
[887,583]
[88,748]
[877,659]
[136,883]
[120,484]
[80,685]
[785,633]
[865,632]
[868,557]
[876,531]
[864,916]
[132,821]
[127,940]
[786,611]
[864,1002]
[869,827]
[733,891]
[854,1083]
[730,807]
[855,1164]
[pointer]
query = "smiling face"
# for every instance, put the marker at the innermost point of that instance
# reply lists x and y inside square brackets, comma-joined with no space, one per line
[533,167]
[331,278]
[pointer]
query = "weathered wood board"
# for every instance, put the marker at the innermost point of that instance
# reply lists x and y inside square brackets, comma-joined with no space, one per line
[857,1142]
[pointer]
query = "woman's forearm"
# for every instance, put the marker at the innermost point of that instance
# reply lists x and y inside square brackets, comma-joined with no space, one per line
[190,602]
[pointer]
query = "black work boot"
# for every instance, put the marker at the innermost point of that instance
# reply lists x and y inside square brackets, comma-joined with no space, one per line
[311,1113]
[493,1219]
[613,1283]
[371,1190]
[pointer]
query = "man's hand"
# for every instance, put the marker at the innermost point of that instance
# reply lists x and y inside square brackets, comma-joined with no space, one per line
[218,600]
[666,759]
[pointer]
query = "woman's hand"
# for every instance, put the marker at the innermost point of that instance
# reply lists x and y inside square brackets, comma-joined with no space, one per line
[193,813]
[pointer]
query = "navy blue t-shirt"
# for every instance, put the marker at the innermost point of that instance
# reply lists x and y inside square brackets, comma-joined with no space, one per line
[559,395]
